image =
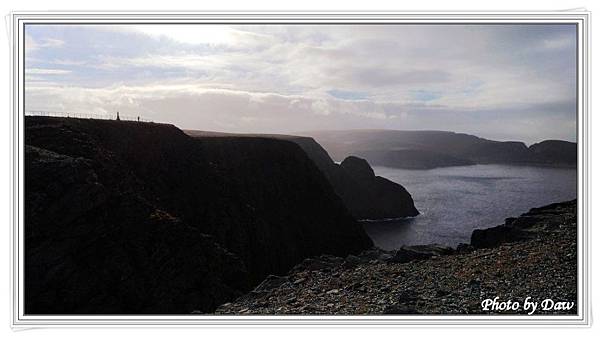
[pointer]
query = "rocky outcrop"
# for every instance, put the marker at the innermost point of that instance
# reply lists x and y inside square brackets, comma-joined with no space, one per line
[366,197]
[127,217]
[492,237]
[525,227]
[435,280]
[373,197]
[419,252]
[431,149]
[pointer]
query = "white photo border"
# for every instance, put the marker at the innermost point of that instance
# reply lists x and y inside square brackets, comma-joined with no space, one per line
[18,20]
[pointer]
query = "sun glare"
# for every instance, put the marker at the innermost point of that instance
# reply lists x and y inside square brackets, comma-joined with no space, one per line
[192,34]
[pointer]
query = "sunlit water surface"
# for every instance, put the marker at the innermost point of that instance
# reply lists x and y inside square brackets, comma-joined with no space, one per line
[453,201]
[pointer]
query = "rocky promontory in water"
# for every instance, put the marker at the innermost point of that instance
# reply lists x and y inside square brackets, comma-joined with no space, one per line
[534,255]
[365,195]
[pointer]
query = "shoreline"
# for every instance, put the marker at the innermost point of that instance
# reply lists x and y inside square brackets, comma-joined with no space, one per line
[430,279]
[526,165]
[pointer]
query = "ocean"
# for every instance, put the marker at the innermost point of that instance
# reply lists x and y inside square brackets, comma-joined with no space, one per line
[454,201]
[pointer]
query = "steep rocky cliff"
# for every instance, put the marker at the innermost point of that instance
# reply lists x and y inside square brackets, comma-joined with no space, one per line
[366,197]
[127,217]
[373,197]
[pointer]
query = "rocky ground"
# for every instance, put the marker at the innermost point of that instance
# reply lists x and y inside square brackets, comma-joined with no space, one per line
[533,255]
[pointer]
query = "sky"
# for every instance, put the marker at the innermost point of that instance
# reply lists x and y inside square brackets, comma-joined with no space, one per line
[502,82]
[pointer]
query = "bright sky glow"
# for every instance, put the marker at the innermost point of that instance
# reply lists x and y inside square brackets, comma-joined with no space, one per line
[507,82]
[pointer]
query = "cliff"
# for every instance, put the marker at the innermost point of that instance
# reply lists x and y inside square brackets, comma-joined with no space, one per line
[555,152]
[127,217]
[366,197]
[369,196]
[432,149]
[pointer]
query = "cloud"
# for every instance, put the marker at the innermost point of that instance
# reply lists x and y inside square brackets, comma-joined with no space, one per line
[42,71]
[276,78]
[32,44]
[209,34]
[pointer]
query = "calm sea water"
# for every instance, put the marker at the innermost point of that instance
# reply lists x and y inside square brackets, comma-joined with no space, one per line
[454,201]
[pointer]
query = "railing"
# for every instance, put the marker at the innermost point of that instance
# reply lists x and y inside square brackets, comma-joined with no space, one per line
[86,115]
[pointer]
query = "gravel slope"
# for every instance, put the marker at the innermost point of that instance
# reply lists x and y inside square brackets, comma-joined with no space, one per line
[544,265]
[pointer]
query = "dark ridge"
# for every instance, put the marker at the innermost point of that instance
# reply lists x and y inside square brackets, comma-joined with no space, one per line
[131,217]
[365,197]
[432,149]
[554,152]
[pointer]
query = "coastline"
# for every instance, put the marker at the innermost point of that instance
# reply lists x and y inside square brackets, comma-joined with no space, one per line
[540,244]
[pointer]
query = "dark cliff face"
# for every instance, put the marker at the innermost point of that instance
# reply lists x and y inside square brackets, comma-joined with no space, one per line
[94,244]
[366,196]
[126,217]
[432,149]
[373,198]
[358,168]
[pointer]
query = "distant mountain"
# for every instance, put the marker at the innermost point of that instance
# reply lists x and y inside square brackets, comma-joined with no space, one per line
[128,217]
[432,149]
[365,195]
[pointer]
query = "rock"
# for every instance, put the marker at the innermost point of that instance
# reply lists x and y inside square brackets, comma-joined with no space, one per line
[270,283]
[524,227]
[358,168]
[442,293]
[524,222]
[352,261]
[299,281]
[463,248]
[365,195]
[419,252]
[313,264]
[375,254]
[400,309]
[375,197]
[492,237]
[474,283]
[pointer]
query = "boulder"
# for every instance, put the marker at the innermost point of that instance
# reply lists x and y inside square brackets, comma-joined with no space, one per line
[419,252]
[492,237]
[270,283]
